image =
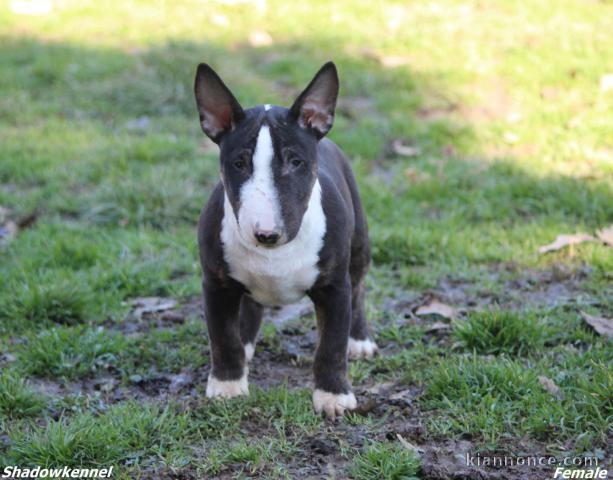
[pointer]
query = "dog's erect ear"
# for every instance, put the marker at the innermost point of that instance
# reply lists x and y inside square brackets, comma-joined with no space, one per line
[314,108]
[219,110]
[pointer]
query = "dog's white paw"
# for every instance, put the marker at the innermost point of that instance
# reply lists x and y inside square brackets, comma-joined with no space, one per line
[361,348]
[333,404]
[249,351]
[227,388]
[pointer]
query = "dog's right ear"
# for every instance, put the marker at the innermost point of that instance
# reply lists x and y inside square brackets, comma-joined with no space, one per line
[219,110]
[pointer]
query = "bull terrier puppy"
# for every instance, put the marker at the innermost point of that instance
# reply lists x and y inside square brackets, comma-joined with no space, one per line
[284,221]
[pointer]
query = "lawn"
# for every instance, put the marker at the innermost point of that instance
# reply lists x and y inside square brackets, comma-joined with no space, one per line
[478,131]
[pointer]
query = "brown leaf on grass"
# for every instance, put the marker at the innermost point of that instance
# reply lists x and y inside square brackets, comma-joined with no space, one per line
[562,241]
[549,385]
[379,387]
[366,407]
[408,445]
[438,327]
[405,150]
[437,308]
[606,235]
[403,394]
[144,305]
[601,325]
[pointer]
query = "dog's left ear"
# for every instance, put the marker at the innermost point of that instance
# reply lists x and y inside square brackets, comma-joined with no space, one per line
[219,110]
[314,108]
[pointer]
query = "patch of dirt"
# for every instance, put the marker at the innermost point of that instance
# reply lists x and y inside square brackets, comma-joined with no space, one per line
[555,287]
[459,459]
[136,325]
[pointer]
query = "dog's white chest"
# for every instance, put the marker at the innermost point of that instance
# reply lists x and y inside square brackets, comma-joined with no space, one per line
[280,275]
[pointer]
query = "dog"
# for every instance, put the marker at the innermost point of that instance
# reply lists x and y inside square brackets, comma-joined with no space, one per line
[285,221]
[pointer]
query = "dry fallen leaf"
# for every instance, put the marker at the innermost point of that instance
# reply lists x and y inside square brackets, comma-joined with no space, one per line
[401,394]
[379,387]
[146,305]
[405,150]
[364,408]
[601,325]
[408,445]
[549,385]
[437,308]
[562,241]
[438,327]
[606,235]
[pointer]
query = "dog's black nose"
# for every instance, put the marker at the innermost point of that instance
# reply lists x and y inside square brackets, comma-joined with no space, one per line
[267,237]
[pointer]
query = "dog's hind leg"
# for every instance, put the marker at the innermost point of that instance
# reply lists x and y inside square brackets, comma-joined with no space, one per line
[250,314]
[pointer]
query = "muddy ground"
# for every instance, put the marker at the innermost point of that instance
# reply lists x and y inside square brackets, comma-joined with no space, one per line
[287,359]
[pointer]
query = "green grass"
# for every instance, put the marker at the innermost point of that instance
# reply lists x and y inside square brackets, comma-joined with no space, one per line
[71,353]
[498,398]
[167,350]
[45,305]
[100,140]
[496,332]
[126,432]
[390,461]
[276,410]
[17,399]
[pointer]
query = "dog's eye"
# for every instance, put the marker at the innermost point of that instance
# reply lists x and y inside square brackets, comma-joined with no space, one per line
[242,160]
[295,162]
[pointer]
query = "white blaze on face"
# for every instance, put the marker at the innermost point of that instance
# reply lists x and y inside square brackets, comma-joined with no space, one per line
[259,207]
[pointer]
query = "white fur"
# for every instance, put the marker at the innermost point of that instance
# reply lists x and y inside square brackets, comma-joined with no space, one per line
[333,404]
[279,275]
[249,351]
[361,348]
[260,209]
[267,107]
[227,388]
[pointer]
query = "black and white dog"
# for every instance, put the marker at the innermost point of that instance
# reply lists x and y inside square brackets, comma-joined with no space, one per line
[285,221]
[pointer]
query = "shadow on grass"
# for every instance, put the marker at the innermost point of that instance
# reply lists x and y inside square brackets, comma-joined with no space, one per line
[111,137]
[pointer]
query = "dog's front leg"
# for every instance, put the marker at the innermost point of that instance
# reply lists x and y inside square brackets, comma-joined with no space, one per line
[228,375]
[332,393]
